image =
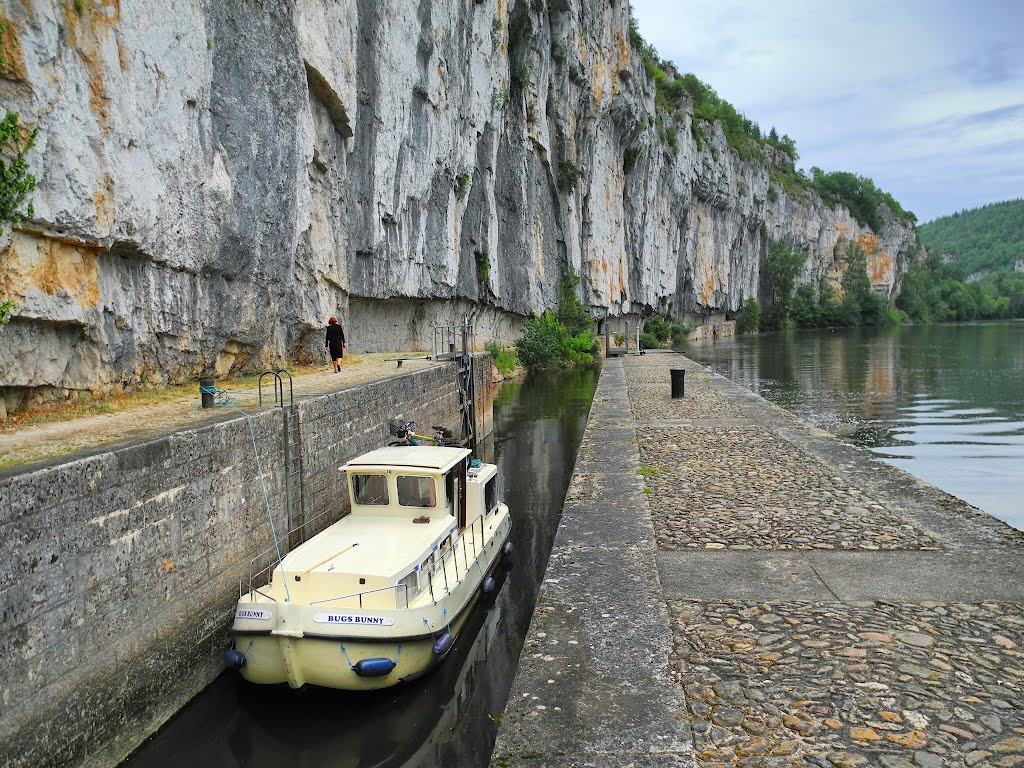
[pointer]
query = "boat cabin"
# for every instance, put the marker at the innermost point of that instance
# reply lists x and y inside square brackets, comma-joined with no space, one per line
[411,508]
[419,482]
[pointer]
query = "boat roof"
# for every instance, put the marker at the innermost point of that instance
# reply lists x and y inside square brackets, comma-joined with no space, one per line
[417,456]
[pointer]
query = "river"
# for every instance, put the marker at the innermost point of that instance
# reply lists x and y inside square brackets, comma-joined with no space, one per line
[944,402]
[451,716]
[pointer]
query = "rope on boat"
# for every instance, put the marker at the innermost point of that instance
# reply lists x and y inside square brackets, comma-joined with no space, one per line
[266,494]
[222,396]
[352,666]
[347,659]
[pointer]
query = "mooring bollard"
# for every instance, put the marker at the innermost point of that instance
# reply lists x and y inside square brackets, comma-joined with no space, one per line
[678,383]
[206,392]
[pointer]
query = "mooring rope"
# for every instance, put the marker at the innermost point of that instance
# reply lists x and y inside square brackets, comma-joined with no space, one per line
[266,494]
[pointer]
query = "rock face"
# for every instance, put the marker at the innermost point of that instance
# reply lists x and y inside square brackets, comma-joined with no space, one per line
[215,182]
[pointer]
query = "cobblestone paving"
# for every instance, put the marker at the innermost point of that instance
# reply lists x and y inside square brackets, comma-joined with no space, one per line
[861,684]
[657,374]
[746,488]
[632,362]
[701,402]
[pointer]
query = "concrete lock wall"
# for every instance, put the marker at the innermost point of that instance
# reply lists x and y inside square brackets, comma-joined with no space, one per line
[119,570]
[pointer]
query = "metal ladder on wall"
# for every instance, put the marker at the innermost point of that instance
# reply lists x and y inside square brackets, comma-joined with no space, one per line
[294,487]
[455,343]
[467,386]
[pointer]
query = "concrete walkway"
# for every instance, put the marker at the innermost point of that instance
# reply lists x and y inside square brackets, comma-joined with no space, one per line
[132,418]
[733,586]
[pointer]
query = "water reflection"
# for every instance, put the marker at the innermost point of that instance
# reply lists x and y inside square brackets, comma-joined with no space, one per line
[449,717]
[945,402]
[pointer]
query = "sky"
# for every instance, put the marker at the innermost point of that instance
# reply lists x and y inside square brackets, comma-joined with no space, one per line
[925,97]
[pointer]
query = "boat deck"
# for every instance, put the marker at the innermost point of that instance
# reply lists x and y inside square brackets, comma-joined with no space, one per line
[396,543]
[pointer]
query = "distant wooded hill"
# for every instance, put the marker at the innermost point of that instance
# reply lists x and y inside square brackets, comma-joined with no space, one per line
[986,239]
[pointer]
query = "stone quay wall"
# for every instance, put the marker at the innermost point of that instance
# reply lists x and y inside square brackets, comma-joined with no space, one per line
[119,569]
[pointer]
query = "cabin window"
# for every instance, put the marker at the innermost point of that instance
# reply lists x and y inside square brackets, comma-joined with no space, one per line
[491,494]
[406,590]
[371,489]
[426,567]
[449,488]
[416,491]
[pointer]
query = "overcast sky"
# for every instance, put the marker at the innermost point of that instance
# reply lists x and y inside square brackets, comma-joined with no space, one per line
[926,97]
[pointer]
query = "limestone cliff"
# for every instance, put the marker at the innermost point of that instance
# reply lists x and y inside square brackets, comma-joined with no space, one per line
[217,178]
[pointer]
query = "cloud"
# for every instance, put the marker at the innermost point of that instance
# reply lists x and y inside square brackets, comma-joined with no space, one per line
[920,89]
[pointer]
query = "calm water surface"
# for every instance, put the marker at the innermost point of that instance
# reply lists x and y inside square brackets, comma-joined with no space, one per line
[451,716]
[945,402]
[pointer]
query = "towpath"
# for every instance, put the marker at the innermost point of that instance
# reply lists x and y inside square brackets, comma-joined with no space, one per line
[733,586]
[153,411]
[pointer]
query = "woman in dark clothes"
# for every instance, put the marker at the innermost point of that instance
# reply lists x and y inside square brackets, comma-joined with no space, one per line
[335,343]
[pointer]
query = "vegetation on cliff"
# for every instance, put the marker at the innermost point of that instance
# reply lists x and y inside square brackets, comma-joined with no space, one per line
[559,339]
[818,305]
[16,183]
[674,90]
[934,292]
[659,331]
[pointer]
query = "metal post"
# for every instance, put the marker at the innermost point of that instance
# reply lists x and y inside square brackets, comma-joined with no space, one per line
[206,392]
[678,383]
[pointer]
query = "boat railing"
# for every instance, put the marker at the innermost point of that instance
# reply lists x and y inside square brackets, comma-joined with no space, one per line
[359,595]
[262,566]
[469,544]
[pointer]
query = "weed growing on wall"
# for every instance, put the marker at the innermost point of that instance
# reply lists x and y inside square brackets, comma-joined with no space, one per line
[504,359]
[463,183]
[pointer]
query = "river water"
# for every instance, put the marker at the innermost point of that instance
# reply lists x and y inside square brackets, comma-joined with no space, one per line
[451,716]
[944,402]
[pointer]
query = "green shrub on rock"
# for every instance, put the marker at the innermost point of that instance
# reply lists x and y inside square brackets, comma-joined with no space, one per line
[504,359]
[561,339]
[547,343]
[749,320]
[649,341]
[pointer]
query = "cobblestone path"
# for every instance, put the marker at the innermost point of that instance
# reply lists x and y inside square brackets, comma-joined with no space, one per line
[801,602]
[796,683]
[747,488]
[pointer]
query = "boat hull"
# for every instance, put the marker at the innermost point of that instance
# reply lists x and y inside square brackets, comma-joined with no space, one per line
[331,662]
[300,652]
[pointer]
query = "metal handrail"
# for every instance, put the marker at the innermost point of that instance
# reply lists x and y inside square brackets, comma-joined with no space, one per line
[278,388]
[440,564]
[367,592]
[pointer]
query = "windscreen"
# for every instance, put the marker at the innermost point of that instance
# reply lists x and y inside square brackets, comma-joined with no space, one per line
[370,489]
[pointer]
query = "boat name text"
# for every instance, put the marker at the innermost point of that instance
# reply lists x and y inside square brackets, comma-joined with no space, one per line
[253,613]
[344,618]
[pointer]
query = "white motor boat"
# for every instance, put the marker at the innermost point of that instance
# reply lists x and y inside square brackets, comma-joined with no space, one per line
[380,596]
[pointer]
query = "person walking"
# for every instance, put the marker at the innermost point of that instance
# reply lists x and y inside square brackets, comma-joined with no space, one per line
[335,343]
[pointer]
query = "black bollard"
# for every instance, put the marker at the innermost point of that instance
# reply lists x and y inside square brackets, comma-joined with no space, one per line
[206,392]
[678,383]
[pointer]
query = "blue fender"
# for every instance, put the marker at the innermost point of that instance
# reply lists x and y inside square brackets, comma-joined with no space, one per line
[234,659]
[444,642]
[373,667]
